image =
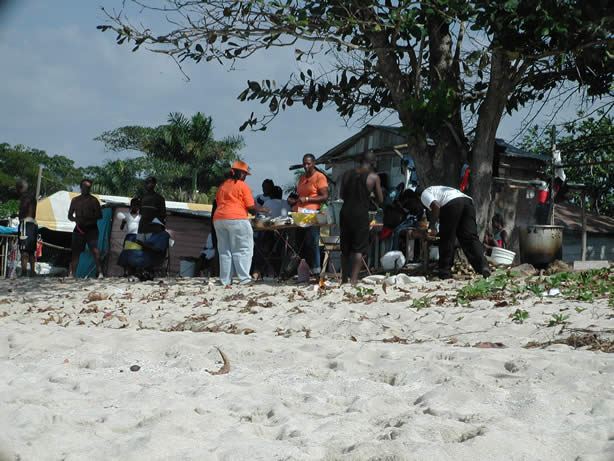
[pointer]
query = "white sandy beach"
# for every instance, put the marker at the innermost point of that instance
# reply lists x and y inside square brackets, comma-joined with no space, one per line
[314,374]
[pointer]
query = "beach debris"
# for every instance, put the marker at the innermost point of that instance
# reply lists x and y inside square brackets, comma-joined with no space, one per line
[389,280]
[234,297]
[551,292]
[558,266]
[135,368]
[285,333]
[225,367]
[592,341]
[400,299]
[353,338]
[95,296]
[395,339]
[523,270]
[155,296]
[489,345]
[204,302]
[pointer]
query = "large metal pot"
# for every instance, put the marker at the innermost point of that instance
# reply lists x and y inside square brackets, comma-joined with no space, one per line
[541,245]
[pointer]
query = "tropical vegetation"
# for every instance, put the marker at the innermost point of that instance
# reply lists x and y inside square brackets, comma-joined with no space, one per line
[449,69]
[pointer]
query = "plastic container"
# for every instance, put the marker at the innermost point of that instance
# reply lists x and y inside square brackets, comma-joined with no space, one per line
[186,268]
[298,218]
[542,196]
[502,256]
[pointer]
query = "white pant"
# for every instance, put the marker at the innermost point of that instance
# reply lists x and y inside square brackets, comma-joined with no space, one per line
[235,246]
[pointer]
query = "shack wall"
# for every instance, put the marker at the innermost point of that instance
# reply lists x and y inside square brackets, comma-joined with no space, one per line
[190,235]
[599,247]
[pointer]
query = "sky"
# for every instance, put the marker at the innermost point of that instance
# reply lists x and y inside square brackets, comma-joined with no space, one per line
[64,83]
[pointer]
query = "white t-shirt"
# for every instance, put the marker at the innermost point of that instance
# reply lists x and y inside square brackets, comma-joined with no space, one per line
[443,195]
[132,223]
[278,207]
[260,199]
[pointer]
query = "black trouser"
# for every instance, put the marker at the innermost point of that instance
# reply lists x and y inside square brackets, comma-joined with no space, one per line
[457,220]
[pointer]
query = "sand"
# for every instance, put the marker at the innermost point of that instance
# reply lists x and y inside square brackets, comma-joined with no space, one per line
[313,374]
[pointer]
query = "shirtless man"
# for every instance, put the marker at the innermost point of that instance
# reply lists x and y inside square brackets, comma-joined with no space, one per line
[85,211]
[28,229]
[356,188]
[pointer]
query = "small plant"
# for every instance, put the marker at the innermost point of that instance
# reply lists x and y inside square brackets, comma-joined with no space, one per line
[481,289]
[459,318]
[421,303]
[558,319]
[364,292]
[536,289]
[519,316]
[579,310]
[517,289]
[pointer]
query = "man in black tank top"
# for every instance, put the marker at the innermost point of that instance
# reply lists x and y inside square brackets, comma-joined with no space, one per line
[356,188]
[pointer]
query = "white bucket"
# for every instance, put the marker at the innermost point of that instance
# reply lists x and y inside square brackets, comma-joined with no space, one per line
[186,268]
[501,256]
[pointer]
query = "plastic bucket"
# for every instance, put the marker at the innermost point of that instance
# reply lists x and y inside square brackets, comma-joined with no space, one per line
[542,196]
[502,256]
[186,268]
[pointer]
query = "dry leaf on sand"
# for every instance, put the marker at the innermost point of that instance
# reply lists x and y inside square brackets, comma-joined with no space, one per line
[225,368]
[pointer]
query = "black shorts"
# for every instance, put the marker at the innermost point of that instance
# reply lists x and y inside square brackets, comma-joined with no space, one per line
[89,236]
[354,234]
[28,236]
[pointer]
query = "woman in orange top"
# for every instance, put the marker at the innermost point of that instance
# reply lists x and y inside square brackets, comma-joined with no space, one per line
[235,238]
[312,191]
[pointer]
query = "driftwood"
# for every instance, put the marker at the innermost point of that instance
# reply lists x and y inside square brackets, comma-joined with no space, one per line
[225,368]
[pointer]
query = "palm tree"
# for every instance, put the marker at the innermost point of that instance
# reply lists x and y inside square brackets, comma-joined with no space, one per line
[190,142]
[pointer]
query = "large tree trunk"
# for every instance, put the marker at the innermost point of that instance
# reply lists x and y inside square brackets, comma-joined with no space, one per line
[489,116]
[439,165]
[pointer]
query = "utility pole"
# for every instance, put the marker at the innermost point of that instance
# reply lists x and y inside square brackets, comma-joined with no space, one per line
[552,176]
[38,181]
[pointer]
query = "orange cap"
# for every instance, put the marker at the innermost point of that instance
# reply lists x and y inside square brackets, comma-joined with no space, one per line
[239,165]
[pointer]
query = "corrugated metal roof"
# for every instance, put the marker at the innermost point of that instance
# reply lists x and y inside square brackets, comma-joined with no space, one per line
[342,146]
[511,151]
[570,217]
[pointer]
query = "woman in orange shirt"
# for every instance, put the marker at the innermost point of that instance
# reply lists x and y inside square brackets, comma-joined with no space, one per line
[235,238]
[312,191]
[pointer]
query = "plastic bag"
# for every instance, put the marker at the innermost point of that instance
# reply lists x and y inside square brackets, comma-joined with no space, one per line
[303,272]
[393,260]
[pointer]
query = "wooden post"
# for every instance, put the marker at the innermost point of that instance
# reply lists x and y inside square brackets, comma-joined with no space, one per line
[552,176]
[583,225]
[38,181]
